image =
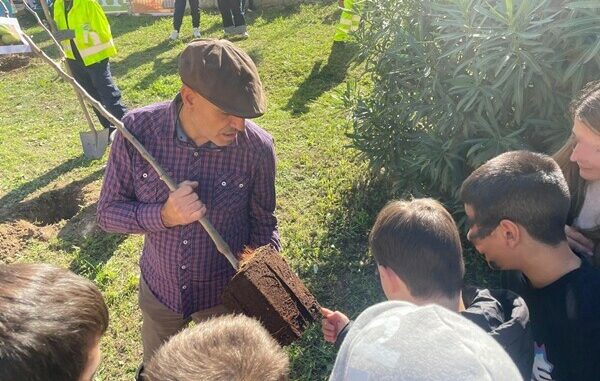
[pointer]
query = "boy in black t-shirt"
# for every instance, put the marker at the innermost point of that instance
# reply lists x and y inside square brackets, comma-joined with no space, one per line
[517,205]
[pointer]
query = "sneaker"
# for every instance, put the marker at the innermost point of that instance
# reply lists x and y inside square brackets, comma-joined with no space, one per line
[196,32]
[174,35]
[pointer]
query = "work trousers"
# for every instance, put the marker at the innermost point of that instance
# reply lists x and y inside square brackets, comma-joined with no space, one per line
[159,323]
[232,15]
[97,80]
[180,10]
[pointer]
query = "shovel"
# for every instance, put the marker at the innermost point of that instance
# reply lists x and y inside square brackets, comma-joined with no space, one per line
[94,142]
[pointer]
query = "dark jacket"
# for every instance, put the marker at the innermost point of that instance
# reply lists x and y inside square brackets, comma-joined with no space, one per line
[505,316]
[502,314]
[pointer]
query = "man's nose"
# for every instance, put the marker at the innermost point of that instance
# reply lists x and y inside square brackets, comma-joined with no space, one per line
[238,123]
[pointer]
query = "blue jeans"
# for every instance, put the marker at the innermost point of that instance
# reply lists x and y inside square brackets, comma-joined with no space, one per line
[180,10]
[97,80]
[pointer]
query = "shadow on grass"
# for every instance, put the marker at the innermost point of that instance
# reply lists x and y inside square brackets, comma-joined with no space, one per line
[123,24]
[274,13]
[323,78]
[49,207]
[138,58]
[93,246]
[31,186]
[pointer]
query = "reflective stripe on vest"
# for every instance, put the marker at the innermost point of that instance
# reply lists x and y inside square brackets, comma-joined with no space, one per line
[95,49]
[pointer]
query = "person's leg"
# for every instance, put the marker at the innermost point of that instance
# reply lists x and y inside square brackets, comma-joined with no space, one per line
[110,95]
[225,10]
[82,76]
[238,17]
[178,14]
[159,323]
[195,11]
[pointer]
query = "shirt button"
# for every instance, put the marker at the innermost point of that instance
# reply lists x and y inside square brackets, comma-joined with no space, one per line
[223,183]
[183,267]
[241,185]
[196,153]
[144,175]
[185,241]
[183,287]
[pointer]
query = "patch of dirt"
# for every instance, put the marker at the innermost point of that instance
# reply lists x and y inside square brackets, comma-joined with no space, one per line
[42,218]
[13,61]
[14,236]
[52,207]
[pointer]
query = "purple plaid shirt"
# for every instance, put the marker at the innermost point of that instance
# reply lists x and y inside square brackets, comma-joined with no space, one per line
[181,265]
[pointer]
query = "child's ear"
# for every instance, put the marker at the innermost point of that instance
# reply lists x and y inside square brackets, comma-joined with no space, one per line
[511,233]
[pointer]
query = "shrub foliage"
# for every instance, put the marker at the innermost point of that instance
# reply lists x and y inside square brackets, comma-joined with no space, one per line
[457,82]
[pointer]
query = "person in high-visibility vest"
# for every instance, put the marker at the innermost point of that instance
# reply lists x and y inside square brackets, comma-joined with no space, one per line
[349,20]
[85,36]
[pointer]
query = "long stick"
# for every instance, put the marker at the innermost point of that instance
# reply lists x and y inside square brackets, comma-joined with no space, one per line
[50,21]
[222,246]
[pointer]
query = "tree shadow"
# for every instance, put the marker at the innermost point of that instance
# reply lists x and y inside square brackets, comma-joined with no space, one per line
[123,24]
[138,58]
[323,78]
[49,207]
[272,13]
[29,187]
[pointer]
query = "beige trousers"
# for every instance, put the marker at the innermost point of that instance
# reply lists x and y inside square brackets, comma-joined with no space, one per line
[159,323]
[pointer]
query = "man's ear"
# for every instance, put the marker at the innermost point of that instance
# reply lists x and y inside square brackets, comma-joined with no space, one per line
[511,233]
[187,95]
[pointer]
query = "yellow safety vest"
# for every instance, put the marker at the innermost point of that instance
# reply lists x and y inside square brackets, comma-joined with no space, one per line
[349,20]
[93,38]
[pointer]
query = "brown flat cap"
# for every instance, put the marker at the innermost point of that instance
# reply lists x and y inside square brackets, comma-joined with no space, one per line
[225,75]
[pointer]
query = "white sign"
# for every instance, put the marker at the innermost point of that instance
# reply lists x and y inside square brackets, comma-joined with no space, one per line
[10,37]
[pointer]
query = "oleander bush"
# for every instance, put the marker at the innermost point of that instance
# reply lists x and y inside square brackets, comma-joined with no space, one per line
[457,82]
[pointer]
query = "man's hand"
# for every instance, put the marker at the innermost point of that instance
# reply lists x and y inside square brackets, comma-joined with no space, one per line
[64,34]
[578,241]
[183,206]
[332,324]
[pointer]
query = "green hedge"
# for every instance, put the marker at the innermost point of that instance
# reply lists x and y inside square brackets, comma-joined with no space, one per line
[457,82]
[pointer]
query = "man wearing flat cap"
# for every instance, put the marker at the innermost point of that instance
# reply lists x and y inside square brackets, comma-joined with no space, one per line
[225,165]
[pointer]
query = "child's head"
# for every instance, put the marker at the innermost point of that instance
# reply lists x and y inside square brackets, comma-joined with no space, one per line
[418,241]
[51,321]
[585,145]
[513,197]
[400,341]
[225,348]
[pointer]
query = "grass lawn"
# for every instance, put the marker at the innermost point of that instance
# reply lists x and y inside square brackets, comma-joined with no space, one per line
[326,202]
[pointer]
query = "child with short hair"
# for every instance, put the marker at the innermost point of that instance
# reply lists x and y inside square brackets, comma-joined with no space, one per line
[419,258]
[225,348]
[517,205]
[51,322]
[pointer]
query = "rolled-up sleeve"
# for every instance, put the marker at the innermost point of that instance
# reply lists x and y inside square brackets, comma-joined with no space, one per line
[263,223]
[118,209]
